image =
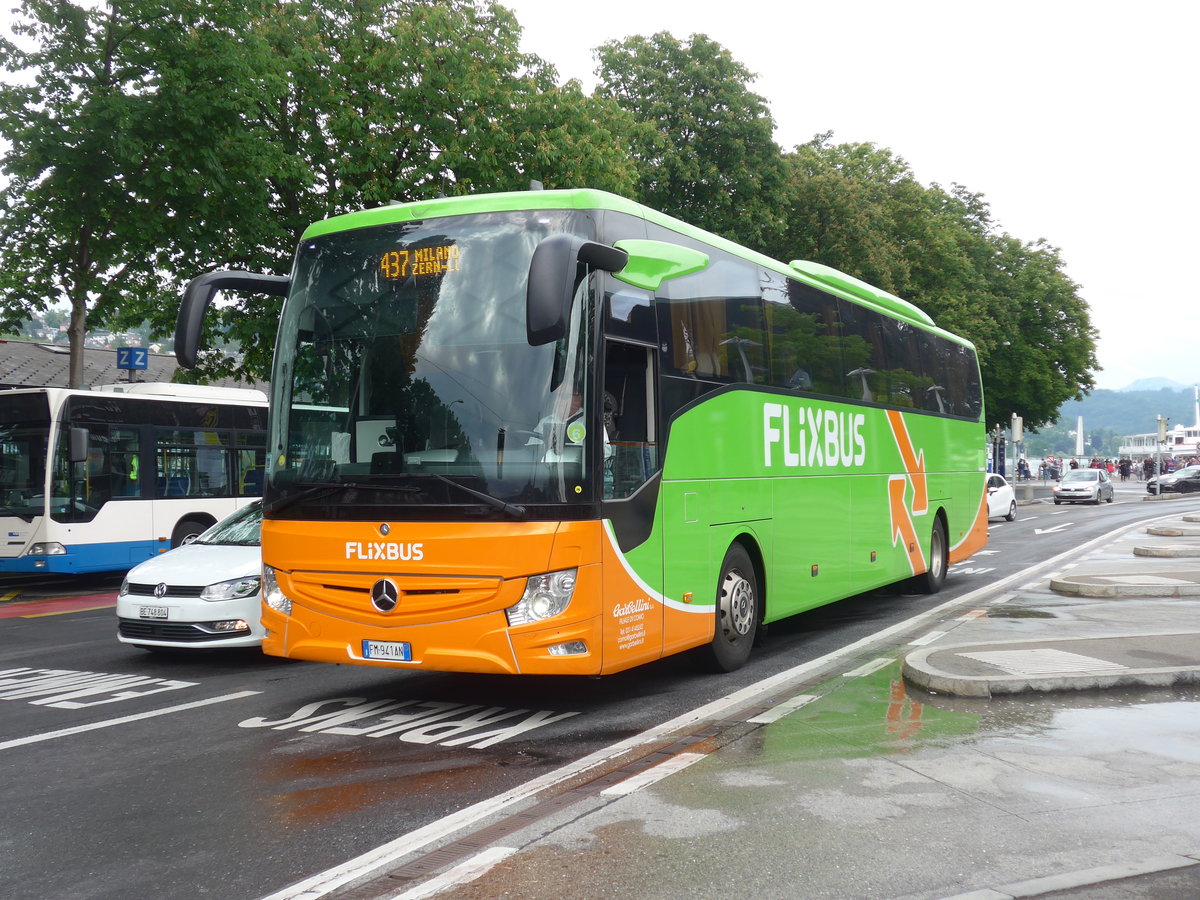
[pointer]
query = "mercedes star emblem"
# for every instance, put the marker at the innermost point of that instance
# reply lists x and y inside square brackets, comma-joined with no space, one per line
[385,595]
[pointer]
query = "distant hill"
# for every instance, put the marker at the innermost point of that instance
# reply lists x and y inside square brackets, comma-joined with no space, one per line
[1110,415]
[1130,412]
[1154,384]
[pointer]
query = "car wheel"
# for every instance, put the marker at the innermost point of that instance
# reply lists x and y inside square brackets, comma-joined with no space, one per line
[1057,501]
[1012,511]
[737,613]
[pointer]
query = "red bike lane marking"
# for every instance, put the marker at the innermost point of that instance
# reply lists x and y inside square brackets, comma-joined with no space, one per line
[56,606]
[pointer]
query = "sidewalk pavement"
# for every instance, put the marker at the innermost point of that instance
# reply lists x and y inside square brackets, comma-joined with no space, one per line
[981,761]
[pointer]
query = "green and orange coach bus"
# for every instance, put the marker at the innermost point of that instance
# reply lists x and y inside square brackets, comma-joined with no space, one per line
[568,434]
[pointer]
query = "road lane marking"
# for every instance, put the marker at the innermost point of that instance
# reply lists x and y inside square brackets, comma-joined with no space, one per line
[775,713]
[932,636]
[870,668]
[123,720]
[464,873]
[676,763]
[389,854]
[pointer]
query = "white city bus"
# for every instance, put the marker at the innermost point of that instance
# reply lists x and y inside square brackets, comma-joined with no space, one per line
[99,480]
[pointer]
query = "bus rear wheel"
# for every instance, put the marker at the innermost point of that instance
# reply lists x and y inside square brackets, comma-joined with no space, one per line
[737,612]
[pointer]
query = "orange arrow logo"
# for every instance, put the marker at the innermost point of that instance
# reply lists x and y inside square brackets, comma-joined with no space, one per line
[902,524]
[914,463]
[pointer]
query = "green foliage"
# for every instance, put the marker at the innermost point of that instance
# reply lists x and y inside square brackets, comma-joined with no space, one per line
[150,142]
[127,157]
[704,142]
[860,209]
[154,141]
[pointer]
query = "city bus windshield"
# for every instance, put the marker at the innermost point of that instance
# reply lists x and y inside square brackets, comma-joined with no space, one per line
[24,431]
[412,336]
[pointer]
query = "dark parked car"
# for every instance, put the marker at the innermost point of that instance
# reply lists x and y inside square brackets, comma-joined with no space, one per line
[1183,481]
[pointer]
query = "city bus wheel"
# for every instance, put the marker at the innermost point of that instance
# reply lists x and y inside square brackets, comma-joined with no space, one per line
[932,579]
[187,531]
[737,612]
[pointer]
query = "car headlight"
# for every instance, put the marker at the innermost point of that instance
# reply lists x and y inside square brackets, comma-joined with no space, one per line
[545,596]
[234,589]
[273,596]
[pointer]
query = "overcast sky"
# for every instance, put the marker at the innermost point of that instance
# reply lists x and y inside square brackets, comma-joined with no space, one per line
[1076,120]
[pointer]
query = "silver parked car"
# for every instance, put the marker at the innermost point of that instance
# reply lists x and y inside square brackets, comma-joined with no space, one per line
[1084,486]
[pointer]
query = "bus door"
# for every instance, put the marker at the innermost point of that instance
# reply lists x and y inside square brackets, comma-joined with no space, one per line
[634,619]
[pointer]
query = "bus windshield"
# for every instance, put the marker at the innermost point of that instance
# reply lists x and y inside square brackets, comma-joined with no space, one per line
[413,336]
[24,429]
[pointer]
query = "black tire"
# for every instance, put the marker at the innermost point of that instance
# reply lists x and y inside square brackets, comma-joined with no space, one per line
[738,609]
[188,528]
[1057,502]
[1109,499]
[932,579]
[1012,511]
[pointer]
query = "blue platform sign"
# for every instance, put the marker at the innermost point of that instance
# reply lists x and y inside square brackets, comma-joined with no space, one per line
[132,357]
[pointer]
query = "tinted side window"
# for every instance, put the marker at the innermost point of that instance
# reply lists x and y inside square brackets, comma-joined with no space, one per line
[713,323]
[863,354]
[805,332]
[904,376]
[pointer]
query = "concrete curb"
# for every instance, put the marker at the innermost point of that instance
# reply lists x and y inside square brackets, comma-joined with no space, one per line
[1174,530]
[1169,551]
[1066,881]
[974,680]
[1128,584]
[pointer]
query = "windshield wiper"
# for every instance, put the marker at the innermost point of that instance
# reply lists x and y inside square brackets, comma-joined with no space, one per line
[12,511]
[312,489]
[517,512]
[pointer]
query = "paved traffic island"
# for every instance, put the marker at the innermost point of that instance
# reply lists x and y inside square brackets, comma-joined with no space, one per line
[1131,652]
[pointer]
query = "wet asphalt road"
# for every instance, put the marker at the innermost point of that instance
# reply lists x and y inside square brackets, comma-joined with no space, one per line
[233,775]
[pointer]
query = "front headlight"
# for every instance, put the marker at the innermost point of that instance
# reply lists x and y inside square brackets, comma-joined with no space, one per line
[234,589]
[545,596]
[47,548]
[272,595]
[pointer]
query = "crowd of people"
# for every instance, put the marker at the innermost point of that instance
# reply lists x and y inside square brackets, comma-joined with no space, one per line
[1051,468]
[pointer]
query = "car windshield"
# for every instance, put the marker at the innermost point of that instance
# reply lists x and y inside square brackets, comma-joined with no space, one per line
[240,529]
[1189,472]
[1082,475]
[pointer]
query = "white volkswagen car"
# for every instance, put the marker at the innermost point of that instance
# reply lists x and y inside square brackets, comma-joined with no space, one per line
[1001,499]
[204,594]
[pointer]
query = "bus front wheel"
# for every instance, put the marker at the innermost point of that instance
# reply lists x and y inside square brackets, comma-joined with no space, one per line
[737,612]
[187,531]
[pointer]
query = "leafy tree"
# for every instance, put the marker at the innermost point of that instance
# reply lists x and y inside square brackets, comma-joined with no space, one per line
[126,148]
[704,143]
[162,139]
[860,208]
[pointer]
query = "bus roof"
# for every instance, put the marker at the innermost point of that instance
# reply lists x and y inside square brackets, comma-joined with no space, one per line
[185,391]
